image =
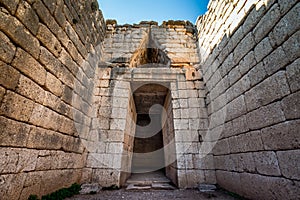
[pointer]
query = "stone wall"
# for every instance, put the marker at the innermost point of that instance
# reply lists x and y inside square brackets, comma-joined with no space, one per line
[48,55]
[250,64]
[123,44]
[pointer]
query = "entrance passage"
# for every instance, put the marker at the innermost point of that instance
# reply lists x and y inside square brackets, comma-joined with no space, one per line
[148,142]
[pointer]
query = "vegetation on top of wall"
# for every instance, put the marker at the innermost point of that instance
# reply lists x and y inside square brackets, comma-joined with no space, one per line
[59,194]
[111,22]
[149,23]
[94,6]
[177,23]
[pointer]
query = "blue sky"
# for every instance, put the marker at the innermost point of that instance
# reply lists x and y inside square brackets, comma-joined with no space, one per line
[134,11]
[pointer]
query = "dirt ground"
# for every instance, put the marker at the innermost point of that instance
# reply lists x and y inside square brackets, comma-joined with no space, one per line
[154,195]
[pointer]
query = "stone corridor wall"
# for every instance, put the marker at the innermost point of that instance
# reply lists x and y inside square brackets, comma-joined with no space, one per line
[250,64]
[48,54]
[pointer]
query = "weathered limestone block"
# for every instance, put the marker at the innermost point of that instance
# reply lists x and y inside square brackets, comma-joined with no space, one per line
[186,136]
[247,63]
[287,25]
[118,124]
[190,178]
[49,40]
[236,108]
[9,77]
[286,5]
[266,23]
[44,139]
[12,190]
[291,46]
[107,177]
[243,48]
[266,187]
[17,160]
[250,141]
[228,180]
[265,116]
[203,162]
[181,124]
[28,17]
[7,49]
[257,74]
[14,133]
[275,61]
[289,163]
[45,117]
[15,30]
[54,85]
[282,136]
[272,88]
[293,75]
[266,163]
[29,66]
[262,49]
[221,147]
[16,106]
[28,88]
[291,106]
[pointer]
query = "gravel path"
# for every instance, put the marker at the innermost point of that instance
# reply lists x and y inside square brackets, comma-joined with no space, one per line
[154,195]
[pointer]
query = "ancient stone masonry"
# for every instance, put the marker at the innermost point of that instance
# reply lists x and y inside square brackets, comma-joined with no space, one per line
[250,64]
[77,95]
[46,56]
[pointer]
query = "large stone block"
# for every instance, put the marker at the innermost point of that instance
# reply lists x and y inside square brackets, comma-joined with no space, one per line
[262,49]
[49,40]
[17,160]
[282,136]
[54,85]
[16,106]
[13,190]
[289,163]
[44,139]
[257,74]
[9,77]
[29,66]
[7,49]
[45,117]
[273,88]
[16,31]
[236,108]
[106,177]
[291,106]
[250,141]
[265,116]
[266,23]
[229,180]
[13,133]
[266,163]
[247,63]
[285,5]
[11,5]
[267,188]
[31,90]
[275,61]
[292,45]
[293,75]
[243,48]
[287,25]
[28,17]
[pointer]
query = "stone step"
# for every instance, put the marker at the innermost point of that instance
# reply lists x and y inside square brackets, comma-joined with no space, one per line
[162,186]
[147,182]
[138,187]
[153,186]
